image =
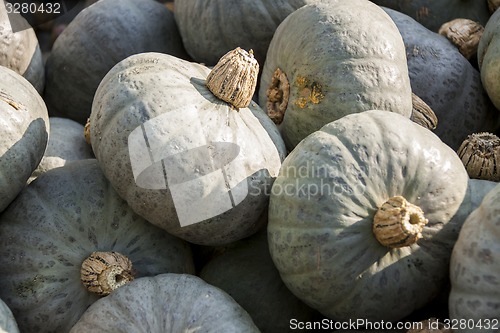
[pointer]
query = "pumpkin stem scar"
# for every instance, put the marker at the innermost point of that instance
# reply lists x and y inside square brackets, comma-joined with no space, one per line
[398,223]
[103,272]
[277,95]
[480,154]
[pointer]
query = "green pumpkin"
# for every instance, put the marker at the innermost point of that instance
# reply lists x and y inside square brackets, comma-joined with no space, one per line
[488,58]
[166,303]
[329,59]
[327,225]
[58,221]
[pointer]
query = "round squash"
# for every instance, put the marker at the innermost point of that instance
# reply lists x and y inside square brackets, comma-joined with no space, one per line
[66,143]
[359,214]
[209,30]
[475,268]
[64,216]
[7,321]
[166,303]
[183,159]
[327,60]
[25,129]
[99,37]
[488,58]
[20,50]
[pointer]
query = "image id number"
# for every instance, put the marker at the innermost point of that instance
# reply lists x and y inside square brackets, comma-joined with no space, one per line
[477,324]
[33,8]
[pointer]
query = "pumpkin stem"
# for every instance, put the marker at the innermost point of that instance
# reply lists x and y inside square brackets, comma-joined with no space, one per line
[480,154]
[86,131]
[464,34]
[398,223]
[103,272]
[277,96]
[234,78]
[422,113]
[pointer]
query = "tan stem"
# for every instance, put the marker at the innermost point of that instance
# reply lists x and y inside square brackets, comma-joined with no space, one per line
[422,113]
[480,154]
[464,34]
[398,223]
[86,131]
[103,272]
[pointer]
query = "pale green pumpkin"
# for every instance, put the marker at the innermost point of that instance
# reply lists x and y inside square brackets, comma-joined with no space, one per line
[488,58]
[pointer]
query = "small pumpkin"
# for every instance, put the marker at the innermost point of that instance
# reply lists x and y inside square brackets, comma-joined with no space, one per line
[94,41]
[7,321]
[25,130]
[20,50]
[63,240]
[488,58]
[219,160]
[166,303]
[475,268]
[359,216]
[329,59]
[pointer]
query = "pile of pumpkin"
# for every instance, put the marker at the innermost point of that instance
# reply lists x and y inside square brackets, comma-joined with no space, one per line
[345,168]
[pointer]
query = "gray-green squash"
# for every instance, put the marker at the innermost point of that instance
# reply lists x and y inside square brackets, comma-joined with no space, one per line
[58,221]
[25,129]
[475,269]
[442,77]
[7,321]
[99,37]
[333,205]
[329,59]
[166,303]
[182,158]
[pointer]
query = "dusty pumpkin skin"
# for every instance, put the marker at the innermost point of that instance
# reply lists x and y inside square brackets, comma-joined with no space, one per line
[488,59]
[323,205]
[54,224]
[335,63]
[166,303]
[475,268]
[139,92]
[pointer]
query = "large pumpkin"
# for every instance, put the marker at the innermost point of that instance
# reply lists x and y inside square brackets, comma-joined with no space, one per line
[488,55]
[182,158]
[25,129]
[7,321]
[475,269]
[327,60]
[166,303]
[359,216]
[99,37]
[58,221]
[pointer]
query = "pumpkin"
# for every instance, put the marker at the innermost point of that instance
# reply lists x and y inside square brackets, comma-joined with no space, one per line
[69,238]
[220,161]
[166,303]
[20,50]
[99,37]
[209,30]
[327,60]
[25,125]
[7,321]
[359,214]
[487,56]
[274,305]
[474,269]
[442,77]
[432,14]
[66,143]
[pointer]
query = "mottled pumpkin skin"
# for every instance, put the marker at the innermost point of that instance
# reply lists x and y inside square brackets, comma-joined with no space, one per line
[166,303]
[209,29]
[432,14]
[98,38]
[53,225]
[446,81]
[150,85]
[322,207]
[475,266]
[20,50]
[488,58]
[25,129]
[7,321]
[337,62]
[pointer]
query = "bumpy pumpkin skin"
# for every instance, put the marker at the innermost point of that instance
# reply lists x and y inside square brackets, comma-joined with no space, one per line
[337,62]
[166,303]
[150,85]
[98,38]
[322,207]
[20,50]
[53,225]
[25,129]
[475,268]
[488,58]
[7,321]
[210,30]
[446,81]
[432,14]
